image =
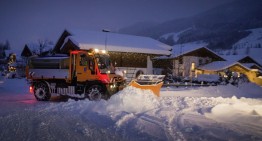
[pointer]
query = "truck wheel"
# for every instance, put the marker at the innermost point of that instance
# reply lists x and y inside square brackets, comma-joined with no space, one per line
[95,92]
[41,92]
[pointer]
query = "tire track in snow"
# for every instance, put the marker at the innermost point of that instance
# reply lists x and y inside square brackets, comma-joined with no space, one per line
[170,126]
[150,125]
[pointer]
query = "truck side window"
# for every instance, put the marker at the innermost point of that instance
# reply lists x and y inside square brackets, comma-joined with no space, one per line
[83,61]
[91,66]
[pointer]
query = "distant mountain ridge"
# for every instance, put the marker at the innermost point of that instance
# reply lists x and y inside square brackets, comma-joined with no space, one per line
[221,26]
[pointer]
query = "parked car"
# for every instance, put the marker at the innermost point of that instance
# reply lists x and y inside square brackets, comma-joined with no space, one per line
[208,79]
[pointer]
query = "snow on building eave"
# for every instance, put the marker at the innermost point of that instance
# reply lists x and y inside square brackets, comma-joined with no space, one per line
[120,49]
[221,65]
[249,65]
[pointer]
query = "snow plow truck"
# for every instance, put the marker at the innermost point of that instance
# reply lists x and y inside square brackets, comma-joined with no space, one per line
[81,74]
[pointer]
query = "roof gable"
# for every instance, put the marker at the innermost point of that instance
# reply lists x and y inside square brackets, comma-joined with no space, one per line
[26,52]
[60,41]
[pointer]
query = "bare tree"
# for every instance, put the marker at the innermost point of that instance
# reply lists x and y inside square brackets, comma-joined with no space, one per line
[42,45]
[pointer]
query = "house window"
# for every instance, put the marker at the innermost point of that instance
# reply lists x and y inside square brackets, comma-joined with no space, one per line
[193,66]
[200,61]
[180,60]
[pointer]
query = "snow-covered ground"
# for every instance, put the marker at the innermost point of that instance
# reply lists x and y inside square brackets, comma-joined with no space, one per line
[223,112]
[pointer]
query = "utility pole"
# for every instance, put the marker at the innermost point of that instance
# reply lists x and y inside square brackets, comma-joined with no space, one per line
[106,31]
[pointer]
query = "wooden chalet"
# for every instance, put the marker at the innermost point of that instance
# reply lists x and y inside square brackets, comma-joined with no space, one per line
[185,58]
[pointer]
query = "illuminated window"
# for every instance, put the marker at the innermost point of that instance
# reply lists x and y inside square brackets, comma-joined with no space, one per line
[193,66]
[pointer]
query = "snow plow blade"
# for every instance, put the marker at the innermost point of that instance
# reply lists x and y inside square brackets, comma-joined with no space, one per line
[149,82]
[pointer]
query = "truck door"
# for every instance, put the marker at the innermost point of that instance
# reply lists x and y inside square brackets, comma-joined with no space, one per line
[85,67]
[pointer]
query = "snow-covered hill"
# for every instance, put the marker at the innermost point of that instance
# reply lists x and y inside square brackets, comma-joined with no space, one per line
[202,113]
[250,45]
[221,26]
[174,36]
[253,40]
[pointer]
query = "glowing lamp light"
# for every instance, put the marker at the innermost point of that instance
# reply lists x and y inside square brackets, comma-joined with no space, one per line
[96,50]
[103,51]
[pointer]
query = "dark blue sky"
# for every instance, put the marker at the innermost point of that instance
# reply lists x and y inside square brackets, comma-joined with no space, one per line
[26,21]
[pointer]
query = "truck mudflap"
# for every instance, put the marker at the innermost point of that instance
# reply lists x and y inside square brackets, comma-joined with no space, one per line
[149,82]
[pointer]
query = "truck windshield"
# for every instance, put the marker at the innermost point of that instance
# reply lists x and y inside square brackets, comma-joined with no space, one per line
[104,63]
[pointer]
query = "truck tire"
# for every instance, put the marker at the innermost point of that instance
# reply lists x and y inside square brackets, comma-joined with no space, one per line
[41,92]
[95,92]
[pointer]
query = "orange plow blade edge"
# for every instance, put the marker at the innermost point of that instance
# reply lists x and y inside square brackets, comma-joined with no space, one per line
[149,82]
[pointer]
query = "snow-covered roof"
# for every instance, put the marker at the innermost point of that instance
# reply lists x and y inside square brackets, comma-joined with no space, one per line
[234,57]
[220,65]
[237,58]
[258,60]
[117,42]
[250,65]
[182,49]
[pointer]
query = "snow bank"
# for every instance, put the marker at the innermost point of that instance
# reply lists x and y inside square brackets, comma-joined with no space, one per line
[248,90]
[237,112]
[131,100]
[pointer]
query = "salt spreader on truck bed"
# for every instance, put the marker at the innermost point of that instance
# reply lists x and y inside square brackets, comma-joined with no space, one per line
[82,74]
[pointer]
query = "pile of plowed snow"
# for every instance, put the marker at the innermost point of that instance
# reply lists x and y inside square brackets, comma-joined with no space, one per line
[130,100]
